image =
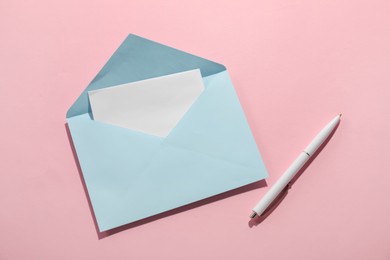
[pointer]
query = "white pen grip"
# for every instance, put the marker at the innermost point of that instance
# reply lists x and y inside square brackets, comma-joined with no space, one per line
[281,183]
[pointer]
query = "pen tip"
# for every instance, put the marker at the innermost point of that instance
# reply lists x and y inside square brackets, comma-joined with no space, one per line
[253,215]
[341,114]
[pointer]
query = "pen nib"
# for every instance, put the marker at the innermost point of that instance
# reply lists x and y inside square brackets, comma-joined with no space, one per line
[253,215]
[341,114]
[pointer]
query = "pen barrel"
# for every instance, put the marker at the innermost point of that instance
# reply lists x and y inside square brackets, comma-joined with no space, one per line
[281,183]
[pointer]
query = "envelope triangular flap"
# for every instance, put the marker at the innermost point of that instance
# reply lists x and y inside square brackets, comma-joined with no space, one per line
[137,59]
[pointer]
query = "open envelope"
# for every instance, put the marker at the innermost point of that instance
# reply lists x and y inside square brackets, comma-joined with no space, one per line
[131,175]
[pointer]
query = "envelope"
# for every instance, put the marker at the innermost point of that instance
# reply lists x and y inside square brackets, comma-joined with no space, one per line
[132,174]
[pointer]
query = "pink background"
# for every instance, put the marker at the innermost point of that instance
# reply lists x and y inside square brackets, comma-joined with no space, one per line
[295,65]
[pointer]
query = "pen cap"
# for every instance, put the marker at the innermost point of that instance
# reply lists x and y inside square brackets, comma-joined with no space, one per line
[322,136]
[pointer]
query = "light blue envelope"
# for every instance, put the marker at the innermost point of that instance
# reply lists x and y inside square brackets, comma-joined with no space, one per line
[131,175]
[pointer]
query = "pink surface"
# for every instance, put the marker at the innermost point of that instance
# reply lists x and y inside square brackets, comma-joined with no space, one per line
[295,65]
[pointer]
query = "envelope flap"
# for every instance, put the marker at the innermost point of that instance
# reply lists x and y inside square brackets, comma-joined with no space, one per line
[137,59]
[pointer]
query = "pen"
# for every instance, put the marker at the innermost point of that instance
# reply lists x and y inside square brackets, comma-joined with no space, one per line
[289,174]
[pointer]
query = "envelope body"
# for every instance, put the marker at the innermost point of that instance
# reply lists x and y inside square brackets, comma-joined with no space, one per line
[131,175]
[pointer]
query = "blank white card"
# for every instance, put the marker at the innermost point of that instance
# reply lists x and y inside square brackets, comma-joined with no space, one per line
[153,106]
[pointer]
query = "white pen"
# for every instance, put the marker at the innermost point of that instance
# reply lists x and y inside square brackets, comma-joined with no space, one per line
[289,174]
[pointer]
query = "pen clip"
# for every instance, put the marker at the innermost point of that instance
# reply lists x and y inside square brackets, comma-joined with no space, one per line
[277,200]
